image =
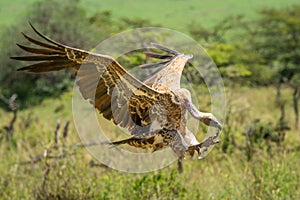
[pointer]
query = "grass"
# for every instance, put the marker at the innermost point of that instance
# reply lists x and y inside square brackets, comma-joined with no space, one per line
[174,14]
[177,14]
[11,11]
[270,174]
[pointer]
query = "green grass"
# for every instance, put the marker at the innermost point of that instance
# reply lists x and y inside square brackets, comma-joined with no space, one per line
[11,11]
[271,174]
[174,14]
[177,14]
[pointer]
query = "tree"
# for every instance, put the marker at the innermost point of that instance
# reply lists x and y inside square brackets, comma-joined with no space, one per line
[227,43]
[277,39]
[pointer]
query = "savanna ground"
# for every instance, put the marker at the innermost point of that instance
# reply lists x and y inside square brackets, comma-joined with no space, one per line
[271,173]
[43,161]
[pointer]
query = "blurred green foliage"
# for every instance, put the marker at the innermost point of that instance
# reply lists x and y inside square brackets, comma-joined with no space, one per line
[255,51]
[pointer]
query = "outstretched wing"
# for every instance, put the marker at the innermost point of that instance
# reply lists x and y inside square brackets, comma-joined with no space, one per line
[103,81]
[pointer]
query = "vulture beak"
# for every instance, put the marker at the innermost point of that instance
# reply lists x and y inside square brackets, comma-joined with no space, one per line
[211,120]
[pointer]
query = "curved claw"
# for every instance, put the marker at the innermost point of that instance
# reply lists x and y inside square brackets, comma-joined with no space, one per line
[205,144]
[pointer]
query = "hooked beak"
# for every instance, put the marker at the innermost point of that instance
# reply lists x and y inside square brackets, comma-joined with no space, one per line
[211,120]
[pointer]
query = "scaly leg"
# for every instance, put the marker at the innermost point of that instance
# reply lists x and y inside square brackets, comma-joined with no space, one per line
[179,146]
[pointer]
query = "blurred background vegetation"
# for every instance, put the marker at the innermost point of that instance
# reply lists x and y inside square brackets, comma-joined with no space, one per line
[256,46]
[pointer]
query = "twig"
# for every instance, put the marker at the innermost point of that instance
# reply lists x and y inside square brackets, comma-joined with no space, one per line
[40,157]
[14,108]
[47,171]
[66,129]
[56,136]
[90,144]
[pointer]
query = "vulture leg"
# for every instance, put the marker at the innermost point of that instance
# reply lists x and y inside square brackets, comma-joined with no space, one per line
[179,146]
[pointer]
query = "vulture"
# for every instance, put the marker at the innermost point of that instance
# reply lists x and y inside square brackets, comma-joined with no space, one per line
[154,110]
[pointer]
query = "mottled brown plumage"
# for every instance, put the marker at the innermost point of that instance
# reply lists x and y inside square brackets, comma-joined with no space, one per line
[154,111]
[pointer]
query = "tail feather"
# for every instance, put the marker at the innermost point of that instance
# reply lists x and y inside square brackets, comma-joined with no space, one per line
[145,143]
[127,141]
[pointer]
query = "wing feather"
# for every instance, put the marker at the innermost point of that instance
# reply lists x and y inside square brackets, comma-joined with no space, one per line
[103,81]
[39,51]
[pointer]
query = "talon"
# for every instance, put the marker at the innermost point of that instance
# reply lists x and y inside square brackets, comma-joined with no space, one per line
[204,145]
[198,150]
[200,154]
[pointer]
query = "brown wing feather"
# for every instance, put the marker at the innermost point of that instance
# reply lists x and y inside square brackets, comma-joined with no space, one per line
[103,81]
